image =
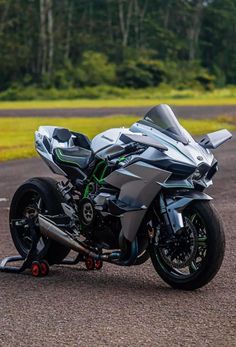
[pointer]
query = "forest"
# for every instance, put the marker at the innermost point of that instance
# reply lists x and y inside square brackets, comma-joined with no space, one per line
[79,44]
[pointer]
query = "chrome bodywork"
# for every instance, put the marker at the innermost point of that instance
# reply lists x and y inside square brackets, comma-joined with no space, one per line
[139,177]
[139,183]
[45,143]
[174,209]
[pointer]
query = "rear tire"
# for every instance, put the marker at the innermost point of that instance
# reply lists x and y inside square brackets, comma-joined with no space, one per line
[214,251]
[45,190]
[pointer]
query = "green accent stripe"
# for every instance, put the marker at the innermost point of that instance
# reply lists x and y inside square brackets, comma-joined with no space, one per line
[61,158]
[98,175]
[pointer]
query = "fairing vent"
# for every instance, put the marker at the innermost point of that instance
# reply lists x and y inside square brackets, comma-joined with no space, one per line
[213,170]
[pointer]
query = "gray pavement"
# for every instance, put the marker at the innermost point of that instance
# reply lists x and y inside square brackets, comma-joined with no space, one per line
[181,111]
[117,306]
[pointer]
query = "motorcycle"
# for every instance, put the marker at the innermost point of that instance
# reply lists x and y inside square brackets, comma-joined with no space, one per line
[124,197]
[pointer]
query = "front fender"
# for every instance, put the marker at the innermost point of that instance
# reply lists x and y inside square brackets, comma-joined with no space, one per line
[182,200]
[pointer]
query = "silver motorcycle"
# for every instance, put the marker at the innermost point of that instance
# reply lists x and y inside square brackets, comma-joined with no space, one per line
[127,195]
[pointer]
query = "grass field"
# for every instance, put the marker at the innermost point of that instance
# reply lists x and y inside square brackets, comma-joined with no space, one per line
[89,103]
[17,134]
[118,97]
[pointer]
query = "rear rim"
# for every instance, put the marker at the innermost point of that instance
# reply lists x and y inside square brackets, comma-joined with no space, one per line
[30,205]
[185,255]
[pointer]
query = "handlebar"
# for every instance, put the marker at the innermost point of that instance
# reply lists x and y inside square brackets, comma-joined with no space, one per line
[127,149]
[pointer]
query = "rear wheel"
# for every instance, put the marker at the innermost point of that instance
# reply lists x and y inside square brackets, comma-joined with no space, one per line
[37,195]
[194,256]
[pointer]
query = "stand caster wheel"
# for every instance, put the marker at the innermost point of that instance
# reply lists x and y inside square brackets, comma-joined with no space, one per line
[98,264]
[36,269]
[89,263]
[44,268]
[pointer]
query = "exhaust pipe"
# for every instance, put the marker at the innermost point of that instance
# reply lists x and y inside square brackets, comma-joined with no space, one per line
[50,230]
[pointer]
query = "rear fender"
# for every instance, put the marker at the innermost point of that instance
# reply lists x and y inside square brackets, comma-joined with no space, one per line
[175,209]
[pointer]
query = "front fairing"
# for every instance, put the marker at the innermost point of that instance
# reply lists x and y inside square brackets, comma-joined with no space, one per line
[161,123]
[183,157]
[191,153]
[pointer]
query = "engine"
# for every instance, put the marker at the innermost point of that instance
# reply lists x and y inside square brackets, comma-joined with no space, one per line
[97,224]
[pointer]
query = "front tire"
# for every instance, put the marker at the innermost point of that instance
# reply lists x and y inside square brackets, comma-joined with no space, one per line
[34,196]
[209,250]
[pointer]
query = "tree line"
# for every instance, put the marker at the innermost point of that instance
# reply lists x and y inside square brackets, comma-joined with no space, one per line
[134,43]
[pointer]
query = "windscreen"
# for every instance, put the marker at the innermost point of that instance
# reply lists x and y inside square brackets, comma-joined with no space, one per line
[163,119]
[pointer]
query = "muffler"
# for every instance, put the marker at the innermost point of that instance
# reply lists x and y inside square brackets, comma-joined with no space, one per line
[50,230]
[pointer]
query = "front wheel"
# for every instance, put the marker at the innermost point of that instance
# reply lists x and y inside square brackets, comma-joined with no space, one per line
[193,257]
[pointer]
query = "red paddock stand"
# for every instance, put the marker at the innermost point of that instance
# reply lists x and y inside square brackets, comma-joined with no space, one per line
[40,267]
[26,263]
[92,264]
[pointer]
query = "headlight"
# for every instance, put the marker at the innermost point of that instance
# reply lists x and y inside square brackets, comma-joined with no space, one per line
[201,171]
[197,175]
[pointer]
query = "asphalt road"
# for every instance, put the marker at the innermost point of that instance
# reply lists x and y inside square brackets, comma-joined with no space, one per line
[117,306]
[181,111]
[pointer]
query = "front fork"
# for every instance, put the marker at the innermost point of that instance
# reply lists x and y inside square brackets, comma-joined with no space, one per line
[171,208]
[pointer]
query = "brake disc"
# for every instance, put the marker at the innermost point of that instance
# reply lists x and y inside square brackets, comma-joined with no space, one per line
[182,249]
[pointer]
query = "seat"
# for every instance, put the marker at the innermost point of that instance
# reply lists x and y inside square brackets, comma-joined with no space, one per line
[75,156]
[65,135]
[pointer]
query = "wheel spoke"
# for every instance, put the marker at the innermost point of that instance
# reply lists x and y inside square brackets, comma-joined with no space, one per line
[186,255]
[19,222]
[29,209]
[193,266]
